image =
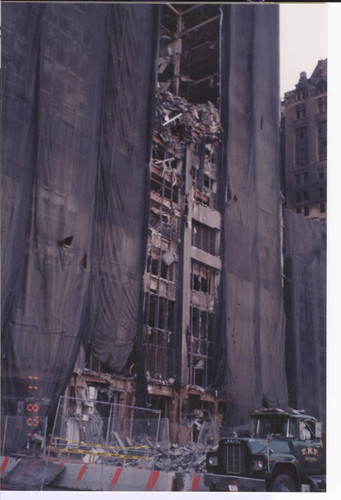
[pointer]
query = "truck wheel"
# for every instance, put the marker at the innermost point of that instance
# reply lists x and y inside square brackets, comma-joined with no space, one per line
[283,482]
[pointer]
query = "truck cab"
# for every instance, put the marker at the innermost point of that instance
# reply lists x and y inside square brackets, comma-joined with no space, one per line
[283,452]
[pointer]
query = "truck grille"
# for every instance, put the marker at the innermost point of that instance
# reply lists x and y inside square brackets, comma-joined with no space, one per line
[234,458]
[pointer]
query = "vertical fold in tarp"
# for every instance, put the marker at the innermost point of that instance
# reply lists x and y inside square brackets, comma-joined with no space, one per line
[122,197]
[305,303]
[54,58]
[78,83]
[252,317]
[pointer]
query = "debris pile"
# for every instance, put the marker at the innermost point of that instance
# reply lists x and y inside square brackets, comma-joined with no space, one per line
[180,458]
[178,123]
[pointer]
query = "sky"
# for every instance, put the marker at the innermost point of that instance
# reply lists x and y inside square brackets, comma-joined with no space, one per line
[303,41]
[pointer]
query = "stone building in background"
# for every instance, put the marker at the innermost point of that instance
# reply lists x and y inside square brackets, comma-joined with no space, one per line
[305,144]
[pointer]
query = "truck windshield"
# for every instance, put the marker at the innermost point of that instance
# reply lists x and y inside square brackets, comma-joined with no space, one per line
[269,424]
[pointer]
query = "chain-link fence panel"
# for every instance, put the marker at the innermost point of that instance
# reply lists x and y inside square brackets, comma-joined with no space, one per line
[208,437]
[162,455]
[105,433]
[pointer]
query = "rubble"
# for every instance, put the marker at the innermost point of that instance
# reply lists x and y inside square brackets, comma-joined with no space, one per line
[178,123]
[180,458]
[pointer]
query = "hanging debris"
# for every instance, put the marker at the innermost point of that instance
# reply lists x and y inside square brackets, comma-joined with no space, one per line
[179,123]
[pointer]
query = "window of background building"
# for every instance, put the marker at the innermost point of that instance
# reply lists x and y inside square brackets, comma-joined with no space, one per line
[321,173]
[298,210]
[306,210]
[322,208]
[298,197]
[298,178]
[322,192]
[322,140]
[306,195]
[301,146]
[300,111]
[306,176]
[322,105]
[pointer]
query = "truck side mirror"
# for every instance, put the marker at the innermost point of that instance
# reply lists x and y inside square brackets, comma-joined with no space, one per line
[318,430]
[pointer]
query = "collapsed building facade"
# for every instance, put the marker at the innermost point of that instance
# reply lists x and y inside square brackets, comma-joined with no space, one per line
[142,223]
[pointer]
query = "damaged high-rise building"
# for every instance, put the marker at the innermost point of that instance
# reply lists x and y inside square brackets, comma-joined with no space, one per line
[142,212]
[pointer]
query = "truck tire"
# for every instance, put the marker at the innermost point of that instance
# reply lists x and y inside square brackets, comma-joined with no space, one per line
[283,482]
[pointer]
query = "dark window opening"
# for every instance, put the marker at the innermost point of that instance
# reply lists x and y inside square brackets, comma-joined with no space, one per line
[321,173]
[164,188]
[306,195]
[200,345]
[204,237]
[322,105]
[301,145]
[162,403]
[322,141]
[298,210]
[322,193]
[202,278]
[161,264]
[306,176]
[306,210]
[158,338]
[300,111]
[198,376]
[298,179]
[155,267]
[322,208]
[298,197]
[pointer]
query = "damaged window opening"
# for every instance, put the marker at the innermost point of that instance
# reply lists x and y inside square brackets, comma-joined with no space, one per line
[158,335]
[202,278]
[164,221]
[161,264]
[200,348]
[159,312]
[204,237]
[203,173]
[164,188]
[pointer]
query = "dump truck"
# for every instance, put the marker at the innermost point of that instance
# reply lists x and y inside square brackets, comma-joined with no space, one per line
[283,451]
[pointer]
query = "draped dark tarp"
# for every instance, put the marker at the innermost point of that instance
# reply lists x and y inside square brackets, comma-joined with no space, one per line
[78,90]
[252,366]
[305,302]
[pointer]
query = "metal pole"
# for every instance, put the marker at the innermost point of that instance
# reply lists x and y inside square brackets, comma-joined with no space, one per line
[5,432]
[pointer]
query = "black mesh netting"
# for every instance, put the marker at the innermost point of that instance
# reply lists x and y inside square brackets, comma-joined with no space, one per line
[252,316]
[305,301]
[78,91]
